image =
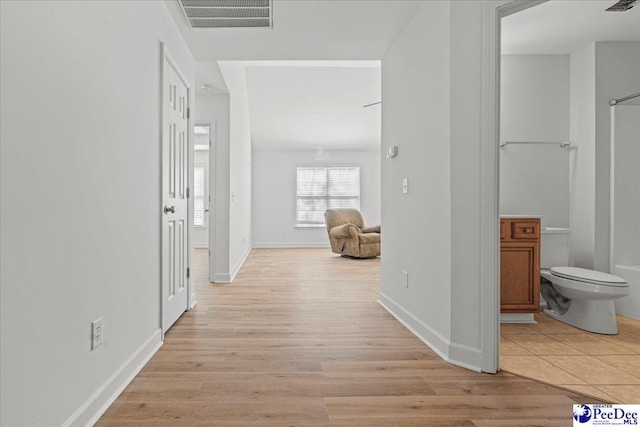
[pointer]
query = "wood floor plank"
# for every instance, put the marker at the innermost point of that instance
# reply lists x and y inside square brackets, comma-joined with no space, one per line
[313,387]
[298,339]
[501,384]
[449,407]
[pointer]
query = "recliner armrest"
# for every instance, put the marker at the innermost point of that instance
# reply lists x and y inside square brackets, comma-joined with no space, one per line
[344,231]
[374,229]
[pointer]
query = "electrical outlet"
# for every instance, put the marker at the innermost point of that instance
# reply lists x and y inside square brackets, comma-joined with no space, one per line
[96,333]
[405,279]
[405,186]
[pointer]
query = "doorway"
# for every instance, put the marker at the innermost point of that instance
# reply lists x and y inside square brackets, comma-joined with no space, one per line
[201,196]
[204,179]
[549,154]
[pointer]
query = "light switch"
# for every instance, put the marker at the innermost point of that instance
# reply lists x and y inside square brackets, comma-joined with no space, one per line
[405,186]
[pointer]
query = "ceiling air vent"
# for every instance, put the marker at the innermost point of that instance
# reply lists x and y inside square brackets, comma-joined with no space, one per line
[228,13]
[622,6]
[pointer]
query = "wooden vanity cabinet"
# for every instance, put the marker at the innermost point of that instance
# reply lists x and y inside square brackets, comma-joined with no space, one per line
[519,265]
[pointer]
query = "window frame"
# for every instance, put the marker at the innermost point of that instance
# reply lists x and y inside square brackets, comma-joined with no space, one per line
[296,225]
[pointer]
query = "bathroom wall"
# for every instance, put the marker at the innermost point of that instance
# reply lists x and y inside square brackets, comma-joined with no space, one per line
[583,158]
[599,72]
[627,206]
[629,305]
[534,178]
[617,74]
[627,185]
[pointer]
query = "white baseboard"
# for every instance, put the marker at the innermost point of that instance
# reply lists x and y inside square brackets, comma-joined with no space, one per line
[431,338]
[289,245]
[465,356]
[517,318]
[92,409]
[229,277]
[456,354]
[240,263]
[221,278]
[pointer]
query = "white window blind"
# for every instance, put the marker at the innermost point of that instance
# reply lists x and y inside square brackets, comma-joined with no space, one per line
[199,217]
[321,188]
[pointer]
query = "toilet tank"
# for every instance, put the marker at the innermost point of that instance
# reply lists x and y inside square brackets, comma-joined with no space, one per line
[554,247]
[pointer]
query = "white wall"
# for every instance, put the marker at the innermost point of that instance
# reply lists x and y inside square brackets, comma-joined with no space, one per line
[239,166]
[583,158]
[415,117]
[617,69]
[274,190]
[467,108]
[433,109]
[629,305]
[599,72]
[627,186]
[534,178]
[216,109]
[80,239]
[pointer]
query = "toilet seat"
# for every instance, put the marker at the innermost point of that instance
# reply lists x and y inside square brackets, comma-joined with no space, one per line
[588,276]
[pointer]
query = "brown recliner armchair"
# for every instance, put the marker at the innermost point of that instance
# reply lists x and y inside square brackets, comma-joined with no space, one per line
[348,235]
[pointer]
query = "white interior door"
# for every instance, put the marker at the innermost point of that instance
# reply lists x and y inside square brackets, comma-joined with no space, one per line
[175,161]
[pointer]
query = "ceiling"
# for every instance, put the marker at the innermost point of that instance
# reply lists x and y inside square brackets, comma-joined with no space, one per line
[305,30]
[298,100]
[563,26]
[294,105]
[299,96]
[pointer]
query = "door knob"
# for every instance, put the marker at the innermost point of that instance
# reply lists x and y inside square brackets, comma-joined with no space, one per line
[168,209]
[206,210]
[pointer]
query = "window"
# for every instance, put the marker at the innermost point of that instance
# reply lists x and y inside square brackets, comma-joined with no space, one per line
[199,203]
[321,188]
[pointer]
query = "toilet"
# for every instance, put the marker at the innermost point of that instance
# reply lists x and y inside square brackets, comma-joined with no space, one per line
[577,296]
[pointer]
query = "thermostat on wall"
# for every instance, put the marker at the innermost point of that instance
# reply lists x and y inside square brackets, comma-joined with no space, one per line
[392,151]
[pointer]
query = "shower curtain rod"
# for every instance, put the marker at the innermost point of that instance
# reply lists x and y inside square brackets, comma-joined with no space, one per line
[626,98]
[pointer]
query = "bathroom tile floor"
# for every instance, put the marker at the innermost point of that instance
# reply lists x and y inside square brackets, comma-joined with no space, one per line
[602,366]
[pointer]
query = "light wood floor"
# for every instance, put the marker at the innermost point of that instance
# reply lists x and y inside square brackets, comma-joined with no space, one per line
[299,340]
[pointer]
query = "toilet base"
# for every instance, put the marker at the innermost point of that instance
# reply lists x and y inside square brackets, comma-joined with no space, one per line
[597,316]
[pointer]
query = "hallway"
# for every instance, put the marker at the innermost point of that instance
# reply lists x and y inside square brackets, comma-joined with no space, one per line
[299,339]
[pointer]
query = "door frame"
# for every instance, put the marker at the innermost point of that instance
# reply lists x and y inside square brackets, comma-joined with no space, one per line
[494,11]
[213,137]
[211,176]
[213,156]
[165,57]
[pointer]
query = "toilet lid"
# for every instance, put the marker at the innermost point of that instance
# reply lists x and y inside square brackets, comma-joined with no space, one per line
[588,276]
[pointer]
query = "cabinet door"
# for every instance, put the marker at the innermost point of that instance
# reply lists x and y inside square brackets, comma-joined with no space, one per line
[519,277]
